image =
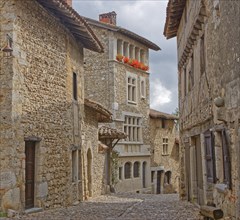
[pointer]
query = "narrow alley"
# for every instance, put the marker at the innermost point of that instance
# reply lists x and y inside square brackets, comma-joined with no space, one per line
[123,206]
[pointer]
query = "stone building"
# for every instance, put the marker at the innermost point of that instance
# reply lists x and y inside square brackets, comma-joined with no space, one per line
[208,34]
[42,103]
[97,150]
[164,152]
[118,79]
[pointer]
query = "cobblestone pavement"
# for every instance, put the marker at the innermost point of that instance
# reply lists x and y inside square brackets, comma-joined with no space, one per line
[123,206]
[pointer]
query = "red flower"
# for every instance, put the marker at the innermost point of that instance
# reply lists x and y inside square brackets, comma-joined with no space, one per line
[125,59]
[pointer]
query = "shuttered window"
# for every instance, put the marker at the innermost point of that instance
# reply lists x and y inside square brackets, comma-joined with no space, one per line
[226,159]
[210,157]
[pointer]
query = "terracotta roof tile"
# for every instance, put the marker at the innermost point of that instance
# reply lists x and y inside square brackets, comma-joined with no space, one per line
[105,132]
[75,23]
[156,114]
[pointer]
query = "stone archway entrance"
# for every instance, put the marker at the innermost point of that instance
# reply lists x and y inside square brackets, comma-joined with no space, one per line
[89,172]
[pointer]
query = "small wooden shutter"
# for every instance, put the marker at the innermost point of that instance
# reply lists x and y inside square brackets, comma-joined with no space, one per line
[210,157]
[226,159]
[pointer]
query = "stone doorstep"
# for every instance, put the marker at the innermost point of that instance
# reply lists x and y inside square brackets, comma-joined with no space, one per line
[33,210]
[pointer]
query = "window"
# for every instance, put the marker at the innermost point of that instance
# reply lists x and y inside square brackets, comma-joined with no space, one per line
[74,86]
[120,173]
[142,56]
[131,51]
[143,87]
[167,177]
[136,168]
[163,123]
[165,146]
[127,170]
[210,157]
[132,90]
[226,160]
[132,127]
[74,166]
[119,47]
[202,55]
[191,74]
[137,53]
[185,81]
[125,49]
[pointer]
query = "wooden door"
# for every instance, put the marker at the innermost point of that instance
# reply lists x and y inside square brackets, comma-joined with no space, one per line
[29,175]
[158,182]
[144,175]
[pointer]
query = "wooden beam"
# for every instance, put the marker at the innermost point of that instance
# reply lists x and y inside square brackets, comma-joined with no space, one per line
[211,212]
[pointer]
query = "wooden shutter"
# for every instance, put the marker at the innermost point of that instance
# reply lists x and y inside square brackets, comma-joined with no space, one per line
[210,157]
[226,159]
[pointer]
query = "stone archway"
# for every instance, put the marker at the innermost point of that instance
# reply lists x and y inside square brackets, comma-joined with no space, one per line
[89,172]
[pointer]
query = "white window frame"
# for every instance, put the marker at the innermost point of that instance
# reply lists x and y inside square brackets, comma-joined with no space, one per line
[132,88]
[132,126]
[165,146]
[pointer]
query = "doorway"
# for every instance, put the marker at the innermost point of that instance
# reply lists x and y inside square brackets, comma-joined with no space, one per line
[89,172]
[29,174]
[144,174]
[159,177]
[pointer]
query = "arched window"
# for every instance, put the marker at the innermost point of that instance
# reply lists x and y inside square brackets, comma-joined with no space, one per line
[127,170]
[136,168]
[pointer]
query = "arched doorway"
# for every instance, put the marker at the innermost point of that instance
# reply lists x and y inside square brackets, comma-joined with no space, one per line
[89,172]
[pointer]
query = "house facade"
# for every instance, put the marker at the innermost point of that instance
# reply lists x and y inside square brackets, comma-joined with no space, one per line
[42,103]
[118,79]
[165,168]
[208,34]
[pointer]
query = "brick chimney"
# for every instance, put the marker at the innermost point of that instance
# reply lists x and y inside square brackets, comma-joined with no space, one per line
[109,18]
[69,2]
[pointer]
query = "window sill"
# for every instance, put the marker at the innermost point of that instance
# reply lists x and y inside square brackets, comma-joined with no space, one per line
[165,154]
[132,102]
[221,188]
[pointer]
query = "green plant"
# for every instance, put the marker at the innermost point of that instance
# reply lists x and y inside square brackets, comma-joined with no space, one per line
[115,166]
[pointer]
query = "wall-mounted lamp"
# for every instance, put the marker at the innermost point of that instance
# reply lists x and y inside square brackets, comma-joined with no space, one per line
[7,49]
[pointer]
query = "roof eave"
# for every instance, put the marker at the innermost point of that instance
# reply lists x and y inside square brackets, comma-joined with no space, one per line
[74,23]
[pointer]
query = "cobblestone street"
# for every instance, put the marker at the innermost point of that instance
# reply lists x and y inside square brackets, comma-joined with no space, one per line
[123,206]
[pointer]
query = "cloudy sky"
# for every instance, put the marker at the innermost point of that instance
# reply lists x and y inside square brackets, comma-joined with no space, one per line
[146,18]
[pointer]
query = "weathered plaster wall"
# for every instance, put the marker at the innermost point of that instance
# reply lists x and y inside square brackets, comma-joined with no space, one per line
[39,82]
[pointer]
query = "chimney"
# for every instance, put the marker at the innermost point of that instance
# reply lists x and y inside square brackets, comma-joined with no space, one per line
[109,18]
[69,2]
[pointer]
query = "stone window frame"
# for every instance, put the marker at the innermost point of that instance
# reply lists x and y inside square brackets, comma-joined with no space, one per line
[132,126]
[128,170]
[136,169]
[132,88]
[165,150]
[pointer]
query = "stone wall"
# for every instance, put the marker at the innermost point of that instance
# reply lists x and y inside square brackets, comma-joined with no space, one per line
[98,164]
[198,111]
[106,83]
[36,103]
[164,161]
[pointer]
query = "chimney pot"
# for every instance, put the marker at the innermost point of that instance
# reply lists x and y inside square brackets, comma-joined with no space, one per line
[109,18]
